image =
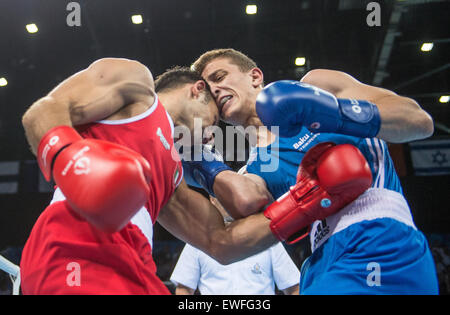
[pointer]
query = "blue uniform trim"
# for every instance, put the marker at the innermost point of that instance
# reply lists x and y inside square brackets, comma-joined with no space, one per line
[391,258]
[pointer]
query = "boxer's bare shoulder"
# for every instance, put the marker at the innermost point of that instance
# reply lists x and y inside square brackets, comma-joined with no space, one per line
[111,70]
[105,87]
[109,88]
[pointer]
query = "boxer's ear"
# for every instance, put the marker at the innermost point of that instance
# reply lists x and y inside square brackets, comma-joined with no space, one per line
[198,87]
[257,77]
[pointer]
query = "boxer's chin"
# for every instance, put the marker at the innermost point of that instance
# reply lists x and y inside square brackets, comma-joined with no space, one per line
[234,116]
[229,111]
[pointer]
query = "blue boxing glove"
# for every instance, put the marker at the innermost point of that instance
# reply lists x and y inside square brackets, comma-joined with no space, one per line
[201,166]
[293,104]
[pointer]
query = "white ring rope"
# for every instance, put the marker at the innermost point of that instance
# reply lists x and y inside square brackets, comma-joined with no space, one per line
[13,271]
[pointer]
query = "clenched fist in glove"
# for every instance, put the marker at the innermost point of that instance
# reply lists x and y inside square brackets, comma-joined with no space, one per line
[329,178]
[105,183]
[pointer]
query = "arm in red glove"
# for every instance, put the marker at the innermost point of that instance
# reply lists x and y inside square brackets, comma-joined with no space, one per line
[329,178]
[105,183]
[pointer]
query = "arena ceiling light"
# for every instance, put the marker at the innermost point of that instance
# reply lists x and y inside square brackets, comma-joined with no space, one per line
[251,9]
[300,61]
[427,47]
[444,99]
[137,19]
[3,82]
[32,28]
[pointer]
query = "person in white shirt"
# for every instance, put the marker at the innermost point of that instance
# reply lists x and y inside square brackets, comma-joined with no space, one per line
[256,275]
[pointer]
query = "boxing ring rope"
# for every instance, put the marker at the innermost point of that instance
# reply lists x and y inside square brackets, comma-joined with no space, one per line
[13,271]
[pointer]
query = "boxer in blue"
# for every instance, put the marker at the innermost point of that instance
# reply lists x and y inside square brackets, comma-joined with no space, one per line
[371,246]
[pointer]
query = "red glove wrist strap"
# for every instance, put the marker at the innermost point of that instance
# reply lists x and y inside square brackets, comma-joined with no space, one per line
[51,144]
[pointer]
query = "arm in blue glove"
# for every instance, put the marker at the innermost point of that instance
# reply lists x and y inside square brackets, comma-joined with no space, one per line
[402,118]
[292,104]
[202,168]
[240,195]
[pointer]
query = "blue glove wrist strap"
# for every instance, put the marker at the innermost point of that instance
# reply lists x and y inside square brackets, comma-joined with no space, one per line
[359,118]
[206,177]
[202,174]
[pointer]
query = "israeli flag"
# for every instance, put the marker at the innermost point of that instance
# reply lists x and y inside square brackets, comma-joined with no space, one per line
[431,157]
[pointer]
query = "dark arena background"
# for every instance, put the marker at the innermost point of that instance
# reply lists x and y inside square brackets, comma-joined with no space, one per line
[403,46]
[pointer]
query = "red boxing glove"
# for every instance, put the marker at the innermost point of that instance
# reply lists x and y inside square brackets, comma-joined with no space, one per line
[105,183]
[329,178]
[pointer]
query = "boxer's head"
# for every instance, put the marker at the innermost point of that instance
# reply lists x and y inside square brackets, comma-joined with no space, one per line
[235,82]
[185,96]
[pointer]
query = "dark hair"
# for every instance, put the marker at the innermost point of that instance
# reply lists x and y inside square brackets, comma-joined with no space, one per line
[175,77]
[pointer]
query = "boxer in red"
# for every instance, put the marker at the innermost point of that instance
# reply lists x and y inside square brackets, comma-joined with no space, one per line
[105,136]
[82,133]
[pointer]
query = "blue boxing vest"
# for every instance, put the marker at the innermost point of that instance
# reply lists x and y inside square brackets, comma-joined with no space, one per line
[374,231]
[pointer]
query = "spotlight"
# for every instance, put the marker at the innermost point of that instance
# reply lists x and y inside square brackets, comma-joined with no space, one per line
[32,28]
[444,99]
[300,61]
[251,9]
[3,82]
[137,19]
[427,46]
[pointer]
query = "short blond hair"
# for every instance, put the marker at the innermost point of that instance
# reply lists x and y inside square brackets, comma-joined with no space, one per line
[238,58]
